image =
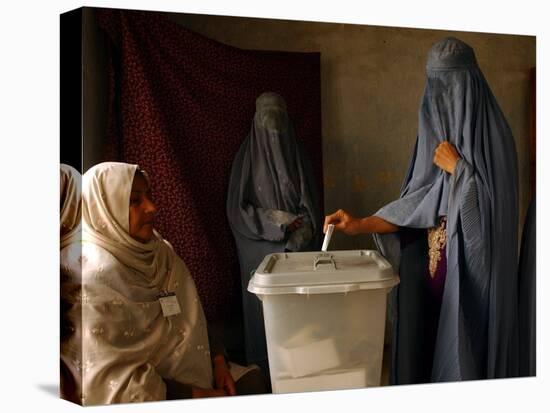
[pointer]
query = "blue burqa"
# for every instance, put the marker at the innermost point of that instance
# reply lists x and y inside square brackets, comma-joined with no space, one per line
[477,331]
[271,185]
[527,292]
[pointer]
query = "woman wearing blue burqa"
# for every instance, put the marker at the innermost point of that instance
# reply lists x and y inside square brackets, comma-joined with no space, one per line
[452,234]
[272,206]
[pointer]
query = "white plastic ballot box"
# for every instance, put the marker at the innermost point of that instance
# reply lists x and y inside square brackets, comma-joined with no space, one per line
[324,315]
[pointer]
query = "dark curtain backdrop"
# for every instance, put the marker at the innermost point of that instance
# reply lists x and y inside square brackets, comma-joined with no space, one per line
[180,106]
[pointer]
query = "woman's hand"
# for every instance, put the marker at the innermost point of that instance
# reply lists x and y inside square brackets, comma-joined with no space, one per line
[198,393]
[222,377]
[343,222]
[350,225]
[446,157]
[297,223]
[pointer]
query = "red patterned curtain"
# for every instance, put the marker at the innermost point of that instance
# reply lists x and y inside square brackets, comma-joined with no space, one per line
[180,106]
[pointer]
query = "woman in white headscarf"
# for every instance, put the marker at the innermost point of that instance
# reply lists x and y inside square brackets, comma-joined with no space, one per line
[70,231]
[69,208]
[143,333]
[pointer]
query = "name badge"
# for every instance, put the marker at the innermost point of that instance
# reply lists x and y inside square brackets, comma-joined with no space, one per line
[169,304]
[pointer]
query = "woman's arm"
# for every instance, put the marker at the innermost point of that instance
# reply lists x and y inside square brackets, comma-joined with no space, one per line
[222,377]
[446,157]
[350,225]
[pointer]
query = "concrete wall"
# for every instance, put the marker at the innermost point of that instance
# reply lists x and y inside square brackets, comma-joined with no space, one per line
[372,80]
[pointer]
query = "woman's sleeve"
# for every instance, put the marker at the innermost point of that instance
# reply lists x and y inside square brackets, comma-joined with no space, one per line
[465,192]
[177,390]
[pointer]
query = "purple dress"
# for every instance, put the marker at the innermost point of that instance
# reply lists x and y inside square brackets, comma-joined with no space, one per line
[435,276]
[425,275]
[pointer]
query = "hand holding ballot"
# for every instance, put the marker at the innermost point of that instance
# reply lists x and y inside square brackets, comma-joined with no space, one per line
[350,225]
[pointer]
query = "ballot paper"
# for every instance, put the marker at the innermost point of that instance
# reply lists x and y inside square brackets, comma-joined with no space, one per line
[328,234]
[310,358]
[329,380]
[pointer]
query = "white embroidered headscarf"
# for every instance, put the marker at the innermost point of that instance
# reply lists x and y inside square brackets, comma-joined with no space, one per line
[105,215]
[70,182]
[127,345]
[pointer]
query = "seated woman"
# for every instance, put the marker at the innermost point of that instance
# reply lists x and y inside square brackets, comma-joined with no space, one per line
[143,333]
[69,233]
